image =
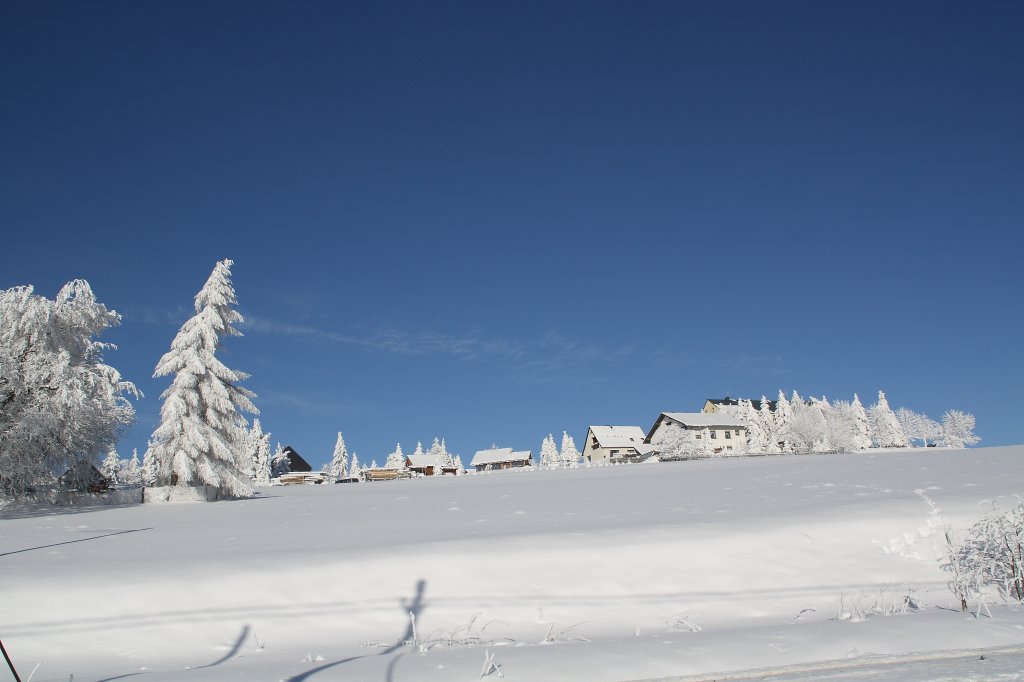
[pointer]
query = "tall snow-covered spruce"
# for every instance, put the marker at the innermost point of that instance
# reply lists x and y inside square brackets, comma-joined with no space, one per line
[339,461]
[202,433]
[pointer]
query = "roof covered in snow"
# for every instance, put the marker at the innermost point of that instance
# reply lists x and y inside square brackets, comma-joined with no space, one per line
[420,461]
[707,419]
[618,436]
[496,455]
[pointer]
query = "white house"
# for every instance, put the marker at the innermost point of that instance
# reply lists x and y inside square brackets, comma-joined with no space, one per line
[501,458]
[615,444]
[726,434]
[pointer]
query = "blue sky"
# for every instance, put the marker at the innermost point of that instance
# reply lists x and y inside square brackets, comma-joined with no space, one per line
[490,221]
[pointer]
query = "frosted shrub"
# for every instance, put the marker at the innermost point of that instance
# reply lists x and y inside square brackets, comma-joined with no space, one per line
[990,554]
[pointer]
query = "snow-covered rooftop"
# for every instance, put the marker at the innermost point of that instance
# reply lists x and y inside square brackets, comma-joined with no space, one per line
[496,455]
[707,419]
[618,436]
[420,461]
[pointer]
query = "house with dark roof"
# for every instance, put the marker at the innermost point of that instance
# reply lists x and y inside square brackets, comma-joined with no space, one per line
[296,464]
[729,405]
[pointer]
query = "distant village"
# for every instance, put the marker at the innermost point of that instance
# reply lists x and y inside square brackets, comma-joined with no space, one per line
[725,427]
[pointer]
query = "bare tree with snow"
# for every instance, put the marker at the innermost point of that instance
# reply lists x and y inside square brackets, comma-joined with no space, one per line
[61,406]
[200,438]
[918,426]
[958,429]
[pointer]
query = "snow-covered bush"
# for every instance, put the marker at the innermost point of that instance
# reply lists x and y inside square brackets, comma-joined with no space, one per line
[991,553]
[675,443]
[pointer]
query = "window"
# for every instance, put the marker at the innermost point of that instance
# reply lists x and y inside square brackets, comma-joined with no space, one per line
[698,436]
[728,435]
[714,434]
[737,432]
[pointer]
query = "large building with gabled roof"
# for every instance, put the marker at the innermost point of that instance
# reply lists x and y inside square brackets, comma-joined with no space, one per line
[611,444]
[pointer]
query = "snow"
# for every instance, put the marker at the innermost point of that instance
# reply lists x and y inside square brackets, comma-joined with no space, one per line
[663,570]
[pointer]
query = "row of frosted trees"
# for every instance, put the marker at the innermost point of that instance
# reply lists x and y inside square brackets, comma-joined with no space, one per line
[62,406]
[818,425]
[341,466]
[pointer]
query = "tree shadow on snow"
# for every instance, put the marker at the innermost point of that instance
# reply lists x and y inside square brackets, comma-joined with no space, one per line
[71,542]
[231,652]
[414,606]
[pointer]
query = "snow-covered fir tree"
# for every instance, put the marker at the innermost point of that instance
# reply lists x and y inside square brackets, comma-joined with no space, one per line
[111,467]
[958,429]
[373,464]
[279,463]
[419,449]
[862,425]
[767,419]
[568,454]
[459,468]
[439,451]
[396,460]
[131,469]
[259,448]
[549,452]
[783,421]
[200,439]
[61,406]
[355,470]
[339,460]
[757,436]
[885,427]
[148,466]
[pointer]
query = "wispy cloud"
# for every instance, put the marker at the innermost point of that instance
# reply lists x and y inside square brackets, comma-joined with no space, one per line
[551,351]
[156,316]
[473,346]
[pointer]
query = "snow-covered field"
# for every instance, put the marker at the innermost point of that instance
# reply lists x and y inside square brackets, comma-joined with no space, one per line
[620,573]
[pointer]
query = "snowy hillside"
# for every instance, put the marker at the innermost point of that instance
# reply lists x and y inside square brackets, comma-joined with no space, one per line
[614,573]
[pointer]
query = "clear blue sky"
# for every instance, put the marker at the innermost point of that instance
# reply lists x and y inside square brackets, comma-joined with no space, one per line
[493,220]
